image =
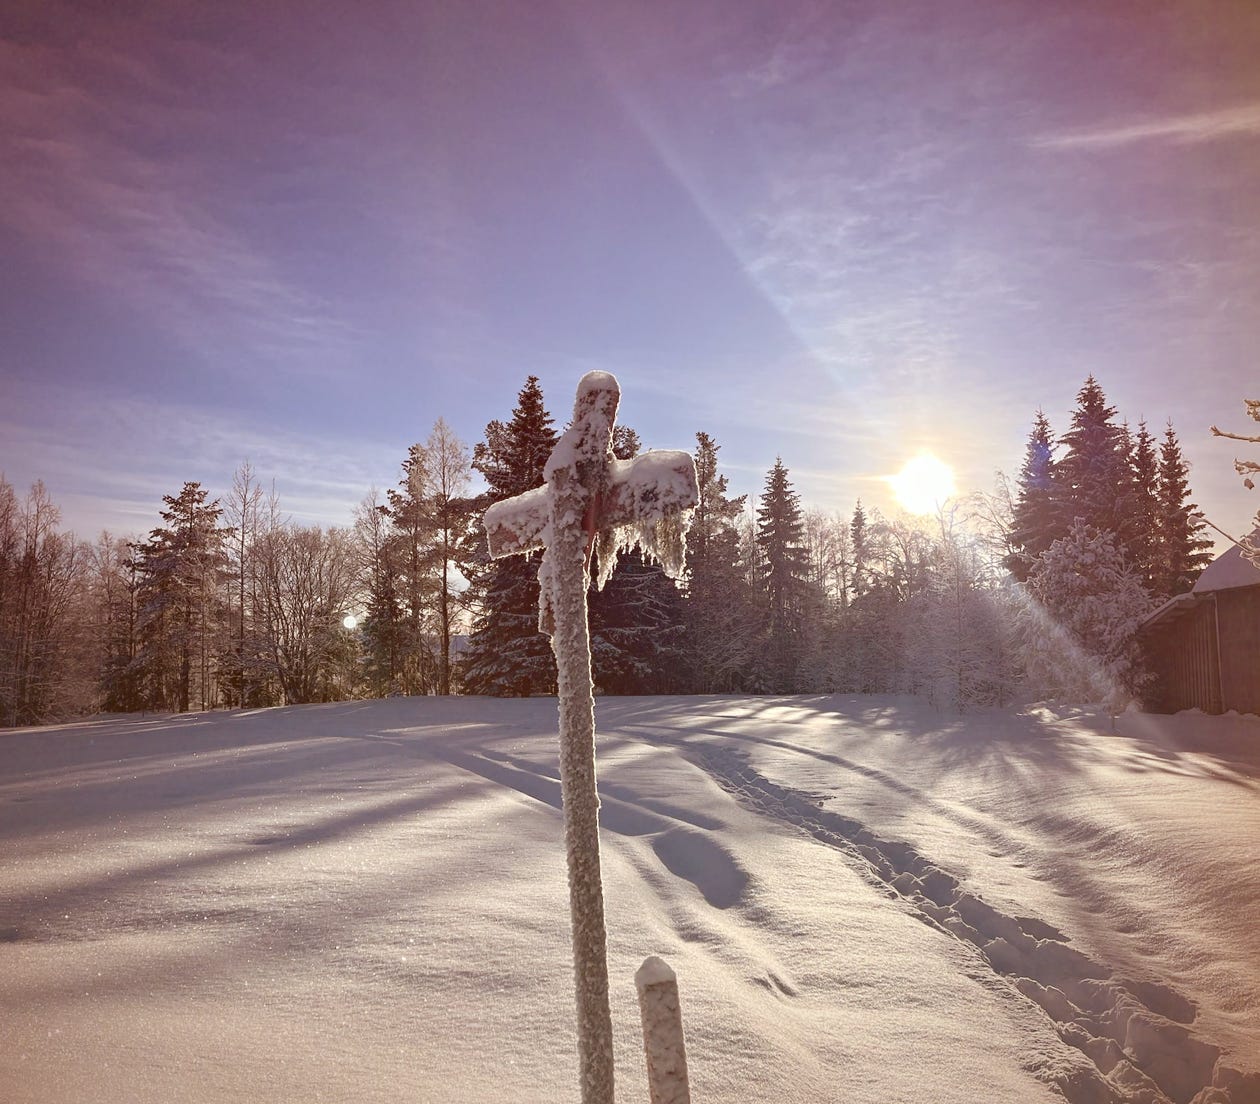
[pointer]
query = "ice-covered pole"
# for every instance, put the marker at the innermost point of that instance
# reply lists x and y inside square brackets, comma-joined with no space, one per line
[576,476]
[663,1042]
[591,506]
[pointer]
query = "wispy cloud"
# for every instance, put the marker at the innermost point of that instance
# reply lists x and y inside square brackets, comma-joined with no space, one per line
[1200,126]
[869,241]
[77,179]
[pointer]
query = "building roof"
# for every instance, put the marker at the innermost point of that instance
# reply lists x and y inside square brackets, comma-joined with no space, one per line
[1230,569]
[1174,608]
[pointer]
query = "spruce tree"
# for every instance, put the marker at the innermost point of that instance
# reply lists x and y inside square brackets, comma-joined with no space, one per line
[637,634]
[507,655]
[717,610]
[183,614]
[1143,552]
[1182,549]
[409,558]
[785,575]
[1035,522]
[381,630]
[860,544]
[1093,480]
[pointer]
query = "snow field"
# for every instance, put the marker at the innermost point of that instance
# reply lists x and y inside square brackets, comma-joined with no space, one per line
[863,901]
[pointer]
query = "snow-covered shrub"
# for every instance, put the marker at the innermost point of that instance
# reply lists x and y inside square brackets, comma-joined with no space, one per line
[1078,630]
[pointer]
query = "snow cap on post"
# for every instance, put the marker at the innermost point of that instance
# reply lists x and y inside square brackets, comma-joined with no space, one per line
[594,412]
[653,971]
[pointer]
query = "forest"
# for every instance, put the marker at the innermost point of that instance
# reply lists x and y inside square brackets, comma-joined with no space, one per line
[1033,590]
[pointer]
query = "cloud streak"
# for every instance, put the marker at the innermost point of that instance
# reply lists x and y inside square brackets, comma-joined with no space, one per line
[75,183]
[1189,129]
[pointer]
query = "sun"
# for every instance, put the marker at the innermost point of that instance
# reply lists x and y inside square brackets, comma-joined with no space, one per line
[923,484]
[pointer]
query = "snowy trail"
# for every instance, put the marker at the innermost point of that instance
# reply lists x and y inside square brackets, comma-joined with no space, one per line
[864,902]
[1135,1032]
[1131,1031]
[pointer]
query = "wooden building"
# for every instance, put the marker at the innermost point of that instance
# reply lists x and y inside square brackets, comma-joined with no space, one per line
[1204,647]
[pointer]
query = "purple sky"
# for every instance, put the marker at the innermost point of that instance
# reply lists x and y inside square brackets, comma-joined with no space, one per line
[299,233]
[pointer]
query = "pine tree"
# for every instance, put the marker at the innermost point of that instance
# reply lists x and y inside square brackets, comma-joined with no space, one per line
[1182,551]
[1035,524]
[507,655]
[780,536]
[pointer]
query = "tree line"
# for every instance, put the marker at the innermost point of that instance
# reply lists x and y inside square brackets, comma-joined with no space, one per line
[1034,589]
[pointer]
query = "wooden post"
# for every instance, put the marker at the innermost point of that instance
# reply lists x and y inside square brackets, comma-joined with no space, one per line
[577,477]
[591,501]
[663,1043]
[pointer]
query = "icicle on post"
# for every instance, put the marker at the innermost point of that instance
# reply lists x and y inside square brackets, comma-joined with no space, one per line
[592,507]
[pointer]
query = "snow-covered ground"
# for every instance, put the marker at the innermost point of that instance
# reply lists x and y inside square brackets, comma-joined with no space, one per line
[864,902]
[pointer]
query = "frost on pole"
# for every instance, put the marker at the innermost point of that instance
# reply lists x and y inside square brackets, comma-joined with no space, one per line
[592,507]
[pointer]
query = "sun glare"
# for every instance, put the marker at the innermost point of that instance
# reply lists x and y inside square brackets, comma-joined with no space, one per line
[350,621]
[923,484]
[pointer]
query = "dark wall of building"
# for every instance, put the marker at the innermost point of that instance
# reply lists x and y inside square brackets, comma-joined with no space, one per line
[1238,618]
[1182,656]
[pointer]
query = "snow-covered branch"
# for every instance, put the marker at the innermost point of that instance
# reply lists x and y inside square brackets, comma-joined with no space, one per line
[1250,439]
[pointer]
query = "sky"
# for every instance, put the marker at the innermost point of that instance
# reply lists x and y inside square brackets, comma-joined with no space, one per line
[836,233]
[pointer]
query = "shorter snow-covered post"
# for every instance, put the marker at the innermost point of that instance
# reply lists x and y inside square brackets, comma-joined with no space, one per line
[592,507]
[662,1032]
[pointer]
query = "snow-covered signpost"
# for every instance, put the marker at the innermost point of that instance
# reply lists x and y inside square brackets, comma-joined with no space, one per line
[592,507]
